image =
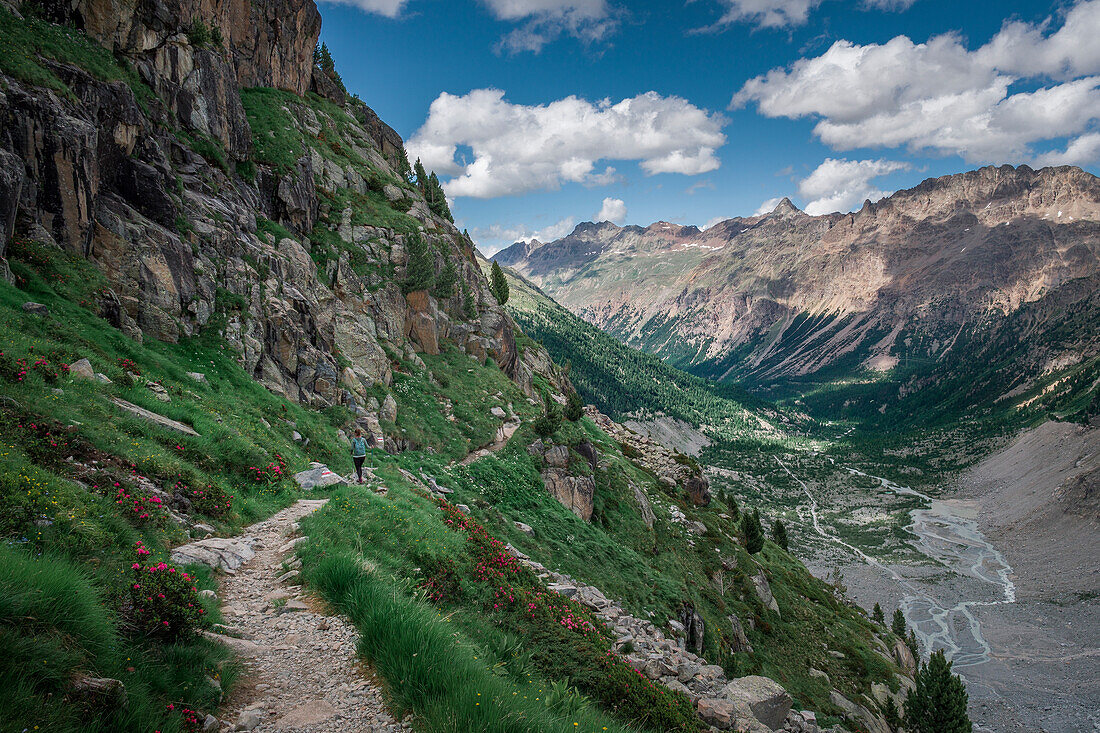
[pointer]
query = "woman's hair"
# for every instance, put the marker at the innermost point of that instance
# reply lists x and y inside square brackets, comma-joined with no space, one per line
[358,431]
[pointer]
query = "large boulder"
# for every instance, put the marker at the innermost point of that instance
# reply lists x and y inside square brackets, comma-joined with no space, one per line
[574,492]
[903,655]
[226,553]
[644,507]
[764,591]
[318,477]
[739,642]
[766,698]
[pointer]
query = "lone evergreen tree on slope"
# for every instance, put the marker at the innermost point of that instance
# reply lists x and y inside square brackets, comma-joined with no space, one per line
[938,702]
[498,285]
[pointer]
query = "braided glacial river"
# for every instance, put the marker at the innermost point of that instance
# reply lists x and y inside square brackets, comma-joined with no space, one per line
[941,613]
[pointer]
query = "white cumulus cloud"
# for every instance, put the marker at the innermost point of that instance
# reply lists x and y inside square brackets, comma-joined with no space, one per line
[1080,151]
[939,96]
[388,8]
[520,148]
[843,185]
[612,210]
[544,20]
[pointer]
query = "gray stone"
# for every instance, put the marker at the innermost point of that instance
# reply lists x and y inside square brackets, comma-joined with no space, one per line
[249,719]
[525,528]
[158,391]
[388,410]
[764,591]
[463,508]
[318,478]
[903,655]
[210,724]
[498,412]
[153,417]
[292,544]
[739,642]
[718,712]
[81,369]
[766,698]
[36,309]
[217,552]
[198,377]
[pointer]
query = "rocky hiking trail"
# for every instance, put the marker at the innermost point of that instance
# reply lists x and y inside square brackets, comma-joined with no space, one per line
[302,672]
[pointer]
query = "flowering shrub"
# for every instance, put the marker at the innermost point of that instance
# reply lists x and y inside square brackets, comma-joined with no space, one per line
[12,369]
[442,581]
[48,371]
[190,720]
[564,636]
[164,600]
[211,500]
[272,473]
[144,509]
[128,365]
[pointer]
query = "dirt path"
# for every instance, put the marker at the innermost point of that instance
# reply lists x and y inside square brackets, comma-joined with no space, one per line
[303,673]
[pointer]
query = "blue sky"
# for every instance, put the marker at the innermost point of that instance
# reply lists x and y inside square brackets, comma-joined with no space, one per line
[539,114]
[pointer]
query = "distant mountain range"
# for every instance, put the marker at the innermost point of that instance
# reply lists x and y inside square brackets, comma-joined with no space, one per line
[902,282]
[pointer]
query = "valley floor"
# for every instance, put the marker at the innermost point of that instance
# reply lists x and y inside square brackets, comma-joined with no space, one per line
[1003,564]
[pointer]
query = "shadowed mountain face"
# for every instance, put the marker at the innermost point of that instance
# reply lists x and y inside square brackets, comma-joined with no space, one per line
[787,295]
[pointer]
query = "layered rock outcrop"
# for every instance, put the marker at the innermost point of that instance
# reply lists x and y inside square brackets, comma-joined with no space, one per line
[294,255]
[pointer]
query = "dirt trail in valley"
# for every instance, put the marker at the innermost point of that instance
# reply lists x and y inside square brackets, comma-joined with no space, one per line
[302,670]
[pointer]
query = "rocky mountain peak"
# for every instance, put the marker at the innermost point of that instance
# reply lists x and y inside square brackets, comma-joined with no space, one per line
[786,208]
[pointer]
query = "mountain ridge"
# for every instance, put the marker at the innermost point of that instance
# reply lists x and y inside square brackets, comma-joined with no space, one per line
[787,295]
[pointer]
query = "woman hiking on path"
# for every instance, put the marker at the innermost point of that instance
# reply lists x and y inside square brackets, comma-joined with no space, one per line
[359,452]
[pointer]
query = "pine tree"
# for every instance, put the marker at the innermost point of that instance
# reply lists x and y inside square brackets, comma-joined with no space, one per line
[898,624]
[549,421]
[420,270]
[324,59]
[779,534]
[911,642]
[498,285]
[421,175]
[753,531]
[891,715]
[469,304]
[877,615]
[938,702]
[447,280]
[574,408]
[437,198]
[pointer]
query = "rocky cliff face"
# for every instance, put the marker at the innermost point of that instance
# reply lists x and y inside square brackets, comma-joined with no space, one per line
[283,228]
[787,294]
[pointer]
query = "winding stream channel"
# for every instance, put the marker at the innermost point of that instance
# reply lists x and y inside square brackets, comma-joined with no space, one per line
[974,573]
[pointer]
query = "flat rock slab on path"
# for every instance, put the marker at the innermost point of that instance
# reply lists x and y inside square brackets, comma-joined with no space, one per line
[220,553]
[302,670]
